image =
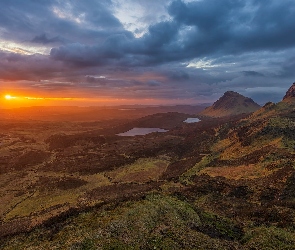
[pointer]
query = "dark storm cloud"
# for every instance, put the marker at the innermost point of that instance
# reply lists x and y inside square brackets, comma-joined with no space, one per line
[53,85]
[154,83]
[235,26]
[114,47]
[43,39]
[203,28]
[95,80]
[124,49]
[179,75]
[26,67]
[288,68]
[252,73]
[76,21]
[17,18]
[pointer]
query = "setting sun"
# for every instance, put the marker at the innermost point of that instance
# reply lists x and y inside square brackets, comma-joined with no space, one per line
[9,97]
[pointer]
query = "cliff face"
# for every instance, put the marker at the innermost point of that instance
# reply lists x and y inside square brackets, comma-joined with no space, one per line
[231,103]
[290,94]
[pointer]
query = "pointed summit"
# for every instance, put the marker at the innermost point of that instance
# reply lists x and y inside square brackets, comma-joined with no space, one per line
[290,94]
[231,103]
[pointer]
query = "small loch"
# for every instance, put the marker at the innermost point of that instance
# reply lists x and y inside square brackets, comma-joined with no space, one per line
[192,120]
[142,131]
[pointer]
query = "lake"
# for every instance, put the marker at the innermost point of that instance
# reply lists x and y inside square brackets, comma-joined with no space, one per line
[142,131]
[192,120]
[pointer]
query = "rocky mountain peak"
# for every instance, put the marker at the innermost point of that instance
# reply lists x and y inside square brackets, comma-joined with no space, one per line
[290,93]
[231,93]
[231,103]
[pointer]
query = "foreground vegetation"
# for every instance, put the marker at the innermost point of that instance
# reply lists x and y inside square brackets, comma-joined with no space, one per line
[155,222]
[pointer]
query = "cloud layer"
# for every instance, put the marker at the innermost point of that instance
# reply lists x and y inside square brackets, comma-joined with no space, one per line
[191,51]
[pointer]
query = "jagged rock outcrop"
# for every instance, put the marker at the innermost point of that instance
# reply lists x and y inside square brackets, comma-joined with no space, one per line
[231,103]
[290,94]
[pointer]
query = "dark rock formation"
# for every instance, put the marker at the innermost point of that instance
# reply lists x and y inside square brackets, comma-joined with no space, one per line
[290,93]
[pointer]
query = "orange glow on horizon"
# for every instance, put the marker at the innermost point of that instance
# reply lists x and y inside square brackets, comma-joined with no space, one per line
[18,101]
[14,100]
[19,98]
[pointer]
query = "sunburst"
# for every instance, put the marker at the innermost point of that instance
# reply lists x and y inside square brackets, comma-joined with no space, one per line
[9,97]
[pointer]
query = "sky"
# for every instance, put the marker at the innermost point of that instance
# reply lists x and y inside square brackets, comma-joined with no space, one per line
[110,52]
